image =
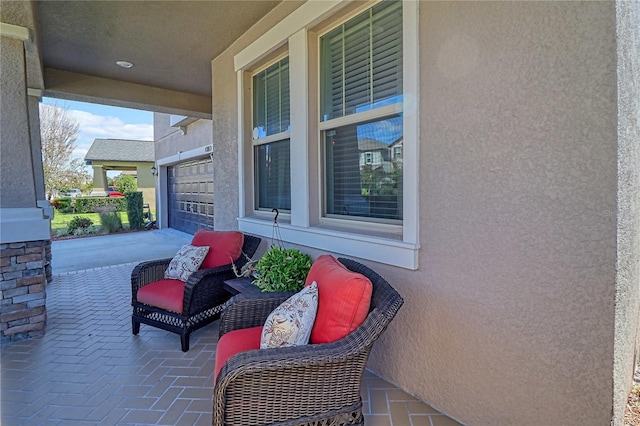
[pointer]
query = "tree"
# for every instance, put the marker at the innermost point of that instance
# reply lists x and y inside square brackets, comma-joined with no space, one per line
[59,132]
[126,183]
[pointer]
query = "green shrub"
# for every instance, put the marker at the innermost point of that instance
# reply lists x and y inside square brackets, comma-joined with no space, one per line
[62,203]
[126,183]
[93,204]
[78,223]
[86,231]
[135,211]
[282,269]
[110,220]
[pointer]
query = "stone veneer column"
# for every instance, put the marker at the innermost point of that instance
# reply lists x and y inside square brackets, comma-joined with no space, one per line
[22,266]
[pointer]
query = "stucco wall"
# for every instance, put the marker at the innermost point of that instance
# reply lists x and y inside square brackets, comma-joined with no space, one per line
[170,140]
[511,315]
[17,187]
[510,318]
[628,267]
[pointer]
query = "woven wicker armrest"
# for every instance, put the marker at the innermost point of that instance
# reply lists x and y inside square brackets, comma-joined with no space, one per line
[148,272]
[245,312]
[205,287]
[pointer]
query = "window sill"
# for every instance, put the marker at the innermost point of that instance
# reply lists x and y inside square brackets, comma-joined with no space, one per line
[380,249]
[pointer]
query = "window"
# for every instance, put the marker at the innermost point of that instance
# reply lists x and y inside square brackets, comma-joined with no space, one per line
[271,128]
[354,85]
[361,91]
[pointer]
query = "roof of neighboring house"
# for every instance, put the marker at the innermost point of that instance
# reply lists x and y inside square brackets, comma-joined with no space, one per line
[134,151]
[368,144]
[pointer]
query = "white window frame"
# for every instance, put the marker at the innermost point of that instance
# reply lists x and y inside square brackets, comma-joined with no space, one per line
[387,244]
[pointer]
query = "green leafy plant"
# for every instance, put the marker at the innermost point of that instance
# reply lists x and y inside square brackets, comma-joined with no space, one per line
[78,223]
[110,220]
[126,183]
[86,231]
[62,203]
[94,204]
[282,269]
[135,211]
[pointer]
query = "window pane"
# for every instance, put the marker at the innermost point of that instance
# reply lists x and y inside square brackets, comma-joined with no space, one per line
[273,177]
[271,99]
[361,62]
[364,169]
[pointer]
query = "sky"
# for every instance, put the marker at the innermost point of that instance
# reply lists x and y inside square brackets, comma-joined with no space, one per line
[105,122]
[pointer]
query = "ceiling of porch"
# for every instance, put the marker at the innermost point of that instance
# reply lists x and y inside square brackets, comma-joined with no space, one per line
[170,43]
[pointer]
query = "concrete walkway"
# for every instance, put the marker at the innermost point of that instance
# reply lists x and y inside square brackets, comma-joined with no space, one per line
[93,252]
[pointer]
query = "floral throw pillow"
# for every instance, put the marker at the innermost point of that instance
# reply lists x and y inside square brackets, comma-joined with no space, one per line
[186,262]
[290,323]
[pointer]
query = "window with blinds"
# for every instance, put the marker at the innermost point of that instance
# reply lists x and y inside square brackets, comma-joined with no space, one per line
[271,126]
[361,65]
[273,176]
[271,100]
[361,92]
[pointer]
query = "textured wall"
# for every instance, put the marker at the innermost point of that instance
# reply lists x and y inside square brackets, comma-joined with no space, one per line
[628,267]
[510,318]
[17,186]
[514,300]
[170,140]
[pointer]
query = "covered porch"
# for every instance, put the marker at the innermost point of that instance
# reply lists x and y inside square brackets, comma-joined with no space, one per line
[90,369]
[514,231]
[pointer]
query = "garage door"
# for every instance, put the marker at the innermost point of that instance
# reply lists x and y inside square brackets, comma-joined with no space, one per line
[190,198]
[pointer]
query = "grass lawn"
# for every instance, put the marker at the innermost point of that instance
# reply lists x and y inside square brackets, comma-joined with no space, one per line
[61,221]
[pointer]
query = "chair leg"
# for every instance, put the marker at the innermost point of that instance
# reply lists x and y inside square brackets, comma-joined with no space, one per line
[135,326]
[184,341]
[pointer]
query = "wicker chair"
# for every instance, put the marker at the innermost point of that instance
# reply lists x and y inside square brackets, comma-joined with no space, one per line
[301,385]
[203,299]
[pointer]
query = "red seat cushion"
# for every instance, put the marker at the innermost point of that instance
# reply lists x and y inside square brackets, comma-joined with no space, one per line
[166,294]
[224,246]
[344,298]
[234,342]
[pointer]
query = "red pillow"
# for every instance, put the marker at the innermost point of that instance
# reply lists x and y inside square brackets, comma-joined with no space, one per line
[224,246]
[344,298]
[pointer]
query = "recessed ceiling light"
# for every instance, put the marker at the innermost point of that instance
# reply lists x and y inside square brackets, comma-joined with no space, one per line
[124,64]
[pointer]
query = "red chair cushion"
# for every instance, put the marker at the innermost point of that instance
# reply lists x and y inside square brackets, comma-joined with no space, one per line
[344,298]
[234,342]
[166,294]
[224,246]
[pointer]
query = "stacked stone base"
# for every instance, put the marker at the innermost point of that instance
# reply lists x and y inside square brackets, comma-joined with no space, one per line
[23,287]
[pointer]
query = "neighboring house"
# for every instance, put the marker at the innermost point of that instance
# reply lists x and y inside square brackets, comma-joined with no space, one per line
[512,228]
[134,157]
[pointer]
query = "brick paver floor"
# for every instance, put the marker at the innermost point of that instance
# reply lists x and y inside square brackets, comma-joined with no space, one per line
[89,369]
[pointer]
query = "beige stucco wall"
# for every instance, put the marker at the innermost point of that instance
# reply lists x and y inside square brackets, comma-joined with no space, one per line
[17,185]
[510,318]
[628,265]
[170,140]
[514,301]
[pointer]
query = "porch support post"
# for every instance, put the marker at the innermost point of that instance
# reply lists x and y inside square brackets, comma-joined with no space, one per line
[25,233]
[99,180]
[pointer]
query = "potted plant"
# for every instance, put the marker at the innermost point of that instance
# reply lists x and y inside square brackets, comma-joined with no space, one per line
[281,269]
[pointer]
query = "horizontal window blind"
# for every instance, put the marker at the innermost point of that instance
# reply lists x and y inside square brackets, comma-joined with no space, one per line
[273,176]
[271,100]
[361,62]
[364,169]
